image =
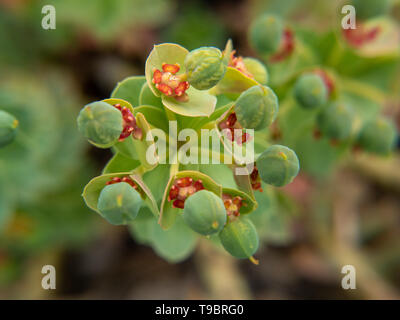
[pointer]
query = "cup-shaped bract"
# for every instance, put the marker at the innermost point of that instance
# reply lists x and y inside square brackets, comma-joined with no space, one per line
[100,123]
[378,136]
[257,69]
[310,91]
[336,121]
[278,165]
[366,9]
[8,128]
[205,67]
[265,34]
[256,108]
[205,213]
[119,203]
[240,238]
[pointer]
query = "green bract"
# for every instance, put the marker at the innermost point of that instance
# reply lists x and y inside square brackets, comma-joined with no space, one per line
[378,136]
[310,91]
[205,213]
[366,9]
[119,203]
[240,238]
[100,123]
[257,107]
[266,33]
[205,67]
[8,128]
[257,69]
[336,121]
[278,165]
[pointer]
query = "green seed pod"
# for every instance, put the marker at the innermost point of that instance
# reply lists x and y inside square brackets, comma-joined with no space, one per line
[366,9]
[278,165]
[205,67]
[257,107]
[240,238]
[8,128]
[119,203]
[378,136]
[100,123]
[205,212]
[310,91]
[257,69]
[265,34]
[336,121]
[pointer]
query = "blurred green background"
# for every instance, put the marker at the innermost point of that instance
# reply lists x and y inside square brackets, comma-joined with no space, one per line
[47,76]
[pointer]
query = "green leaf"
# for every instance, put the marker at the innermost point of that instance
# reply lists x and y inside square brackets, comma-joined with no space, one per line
[153,115]
[147,97]
[120,163]
[129,89]
[175,244]
[200,104]
[233,82]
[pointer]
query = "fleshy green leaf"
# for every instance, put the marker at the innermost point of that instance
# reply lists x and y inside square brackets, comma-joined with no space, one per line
[233,82]
[147,97]
[120,163]
[200,104]
[129,89]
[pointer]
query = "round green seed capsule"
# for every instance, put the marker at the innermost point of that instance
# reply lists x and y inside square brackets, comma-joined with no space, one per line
[378,136]
[336,121]
[265,34]
[205,67]
[366,9]
[8,128]
[310,91]
[100,123]
[257,107]
[257,69]
[240,238]
[205,213]
[278,165]
[119,203]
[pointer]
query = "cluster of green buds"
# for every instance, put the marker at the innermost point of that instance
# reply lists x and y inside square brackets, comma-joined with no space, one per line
[8,128]
[321,101]
[167,201]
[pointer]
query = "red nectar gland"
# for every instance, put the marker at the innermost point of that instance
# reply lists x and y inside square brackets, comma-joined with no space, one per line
[181,189]
[129,124]
[170,84]
[255,180]
[231,124]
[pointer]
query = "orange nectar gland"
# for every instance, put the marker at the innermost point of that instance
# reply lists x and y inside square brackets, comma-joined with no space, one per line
[255,180]
[181,189]
[231,124]
[170,84]
[123,179]
[238,64]
[232,205]
[129,124]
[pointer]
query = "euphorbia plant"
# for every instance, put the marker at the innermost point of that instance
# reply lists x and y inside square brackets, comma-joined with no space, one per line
[167,198]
